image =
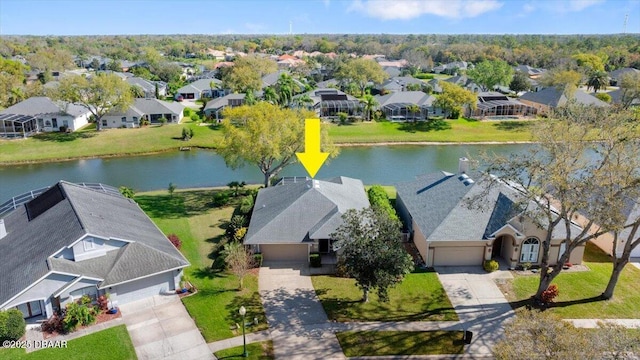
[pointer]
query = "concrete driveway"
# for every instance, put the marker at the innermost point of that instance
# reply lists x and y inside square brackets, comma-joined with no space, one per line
[479,303]
[297,321]
[161,328]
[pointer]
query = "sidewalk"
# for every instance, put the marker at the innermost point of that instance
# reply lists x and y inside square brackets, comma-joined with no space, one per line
[237,341]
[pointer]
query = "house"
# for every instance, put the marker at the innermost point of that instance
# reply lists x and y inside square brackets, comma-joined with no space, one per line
[144,108]
[199,89]
[40,113]
[494,105]
[448,230]
[465,82]
[297,217]
[328,102]
[452,67]
[399,83]
[551,97]
[73,240]
[531,72]
[616,75]
[213,108]
[397,106]
[616,97]
[272,78]
[149,87]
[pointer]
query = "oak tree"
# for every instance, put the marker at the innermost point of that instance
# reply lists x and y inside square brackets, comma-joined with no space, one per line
[488,74]
[360,72]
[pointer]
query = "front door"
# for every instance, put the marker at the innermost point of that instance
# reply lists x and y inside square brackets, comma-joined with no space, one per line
[496,251]
[324,246]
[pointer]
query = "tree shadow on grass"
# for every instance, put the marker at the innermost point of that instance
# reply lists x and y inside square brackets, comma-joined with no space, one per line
[253,304]
[530,303]
[425,126]
[209,273]
[64,136]
[516,126]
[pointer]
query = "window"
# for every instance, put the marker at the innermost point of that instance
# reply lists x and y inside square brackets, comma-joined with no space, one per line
[55,122]
[135,119]
[124,119]
[530,249]
[104,122]
[48,123]
[65,123]
[90,291]
[88,244]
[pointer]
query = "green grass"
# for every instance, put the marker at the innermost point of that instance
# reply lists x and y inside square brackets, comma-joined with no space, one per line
[461,130]
[257,351]
[200,225]
[579,291]
[378,343]
[109,142]
[420,297]
[110,344]
[123,142]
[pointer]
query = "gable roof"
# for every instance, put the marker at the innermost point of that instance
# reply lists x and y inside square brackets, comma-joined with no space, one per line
[223,101]
[146,85]
[66,213]
[41,105]
[406,97]
[400,82]
[297,212]
[147,106]
[616,74]
[198,85]
[553,97]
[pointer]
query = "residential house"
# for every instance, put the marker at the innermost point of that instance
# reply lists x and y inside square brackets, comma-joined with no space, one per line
[328,103]
[448,230]
[40,113]
[149,87]
[199,89]
[616,97]
[272,79]
[150,109]
[392,71]
[551,97]
[452,68]
[531,72]
[398,83]
[494,105]
[397,106]
[631,212]
[464,82]
[73,240]
[435,86]
[213,108]
[294,218]
[616,75]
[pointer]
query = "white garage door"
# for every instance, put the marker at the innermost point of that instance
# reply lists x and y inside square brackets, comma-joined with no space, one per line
[458,256]
[288,252]
[144,288]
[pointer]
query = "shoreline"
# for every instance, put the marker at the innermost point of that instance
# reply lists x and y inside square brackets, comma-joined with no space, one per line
[356,144]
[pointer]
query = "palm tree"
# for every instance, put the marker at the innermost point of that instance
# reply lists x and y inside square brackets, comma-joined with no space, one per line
[212,86]
[270,95]
[303,101]
[285,89]
[414,109]
[597,80]
[137,91]
[369,103]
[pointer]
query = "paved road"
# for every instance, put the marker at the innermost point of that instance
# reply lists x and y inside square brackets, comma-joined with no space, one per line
[161,328]
[298,324]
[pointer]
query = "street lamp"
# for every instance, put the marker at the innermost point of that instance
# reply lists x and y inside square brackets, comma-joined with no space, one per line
[243,312]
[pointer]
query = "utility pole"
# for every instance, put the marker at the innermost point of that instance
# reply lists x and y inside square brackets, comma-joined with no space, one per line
[624,27]
[291,27]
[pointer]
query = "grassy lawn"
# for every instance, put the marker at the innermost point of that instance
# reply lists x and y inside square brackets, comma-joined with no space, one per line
[461,130]
[374,343]
[121,142]
[200,225]
[257,351]
[579,291]
[89,143]
[109,344]
[420,297]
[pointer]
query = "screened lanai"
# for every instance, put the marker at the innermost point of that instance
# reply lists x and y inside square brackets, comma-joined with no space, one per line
[403,111]
[501,109]
[13,125]
[330,108]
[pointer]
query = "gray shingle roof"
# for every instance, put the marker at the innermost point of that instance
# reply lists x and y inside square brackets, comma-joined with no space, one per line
[41,105]
[82,211]
[553,97]
[297,212]
[223,101]
[406,97]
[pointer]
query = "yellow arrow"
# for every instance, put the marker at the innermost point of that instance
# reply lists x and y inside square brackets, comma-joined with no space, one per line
[312,159]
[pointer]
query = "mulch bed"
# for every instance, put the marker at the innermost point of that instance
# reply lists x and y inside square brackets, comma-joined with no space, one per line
[102,317]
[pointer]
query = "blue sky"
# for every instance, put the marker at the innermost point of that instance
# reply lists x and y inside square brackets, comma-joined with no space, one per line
[116,17]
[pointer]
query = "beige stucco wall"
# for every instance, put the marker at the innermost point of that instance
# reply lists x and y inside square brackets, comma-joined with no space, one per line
[421,242]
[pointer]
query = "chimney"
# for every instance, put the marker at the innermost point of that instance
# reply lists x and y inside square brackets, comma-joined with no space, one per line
[3,230]
[463,165]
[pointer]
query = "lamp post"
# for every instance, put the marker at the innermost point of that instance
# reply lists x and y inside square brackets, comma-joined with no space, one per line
[243,312]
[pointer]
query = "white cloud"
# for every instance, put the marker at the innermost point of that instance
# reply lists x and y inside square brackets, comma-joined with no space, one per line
[410,9]
[578,5]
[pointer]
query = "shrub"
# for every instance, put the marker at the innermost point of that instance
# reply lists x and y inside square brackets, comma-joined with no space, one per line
[423,76]
[246,204]
[77,315]
[187,112]
[171,188]
[103,300]
[315,260]
[194,117]
[602,96]
[257,260]
[53,324]
[343,117]
[127,192]
[491,265]
[12,325]
[162,121]
[237,222]
[175,240]
[185,134]
[221,198]
[550,294]
[379,199]
[239,234]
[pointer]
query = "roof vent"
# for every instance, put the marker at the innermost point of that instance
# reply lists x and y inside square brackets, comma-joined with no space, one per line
[468,182]
[316,184]
[3,230]
[463,177]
